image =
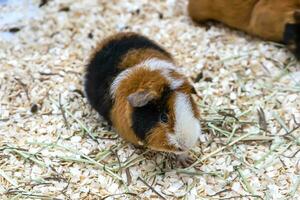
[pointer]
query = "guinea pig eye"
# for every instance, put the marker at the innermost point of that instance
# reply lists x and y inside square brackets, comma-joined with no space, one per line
[163,117]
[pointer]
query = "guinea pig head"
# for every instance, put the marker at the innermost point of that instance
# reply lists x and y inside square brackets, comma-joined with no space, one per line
[174,121]
[163,113]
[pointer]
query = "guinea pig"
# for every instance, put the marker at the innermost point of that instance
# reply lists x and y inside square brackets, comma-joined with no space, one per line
[275,20]
[135,86]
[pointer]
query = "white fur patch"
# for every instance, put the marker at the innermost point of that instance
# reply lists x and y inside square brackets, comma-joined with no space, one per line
[187,128]
[165,67]
[153,64]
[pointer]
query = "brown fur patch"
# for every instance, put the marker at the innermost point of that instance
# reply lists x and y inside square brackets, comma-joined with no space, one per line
[136,56]
[121,118]
[195,108]
[158,140]
[263,18]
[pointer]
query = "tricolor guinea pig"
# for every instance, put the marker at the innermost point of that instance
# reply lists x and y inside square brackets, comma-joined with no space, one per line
[135,85]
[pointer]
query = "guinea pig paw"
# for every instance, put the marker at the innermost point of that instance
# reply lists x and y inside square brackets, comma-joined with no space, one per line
[185,160]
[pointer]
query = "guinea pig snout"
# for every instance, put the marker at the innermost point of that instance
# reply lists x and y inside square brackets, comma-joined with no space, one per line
[182,143]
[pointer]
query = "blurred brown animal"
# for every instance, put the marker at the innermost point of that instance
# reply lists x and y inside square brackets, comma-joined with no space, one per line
[275,20]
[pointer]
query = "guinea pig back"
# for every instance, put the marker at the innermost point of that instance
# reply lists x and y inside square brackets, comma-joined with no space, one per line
[274,20]
[134,84]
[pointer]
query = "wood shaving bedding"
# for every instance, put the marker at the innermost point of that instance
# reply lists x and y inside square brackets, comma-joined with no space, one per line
[54,146]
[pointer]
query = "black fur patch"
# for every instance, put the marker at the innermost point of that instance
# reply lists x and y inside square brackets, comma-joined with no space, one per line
[292,37]
[145,118]
[102,70]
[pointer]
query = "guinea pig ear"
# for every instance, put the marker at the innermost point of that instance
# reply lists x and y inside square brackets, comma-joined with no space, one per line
[140,98]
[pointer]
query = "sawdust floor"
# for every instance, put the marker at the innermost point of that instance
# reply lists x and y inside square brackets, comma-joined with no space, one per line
[53,146]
